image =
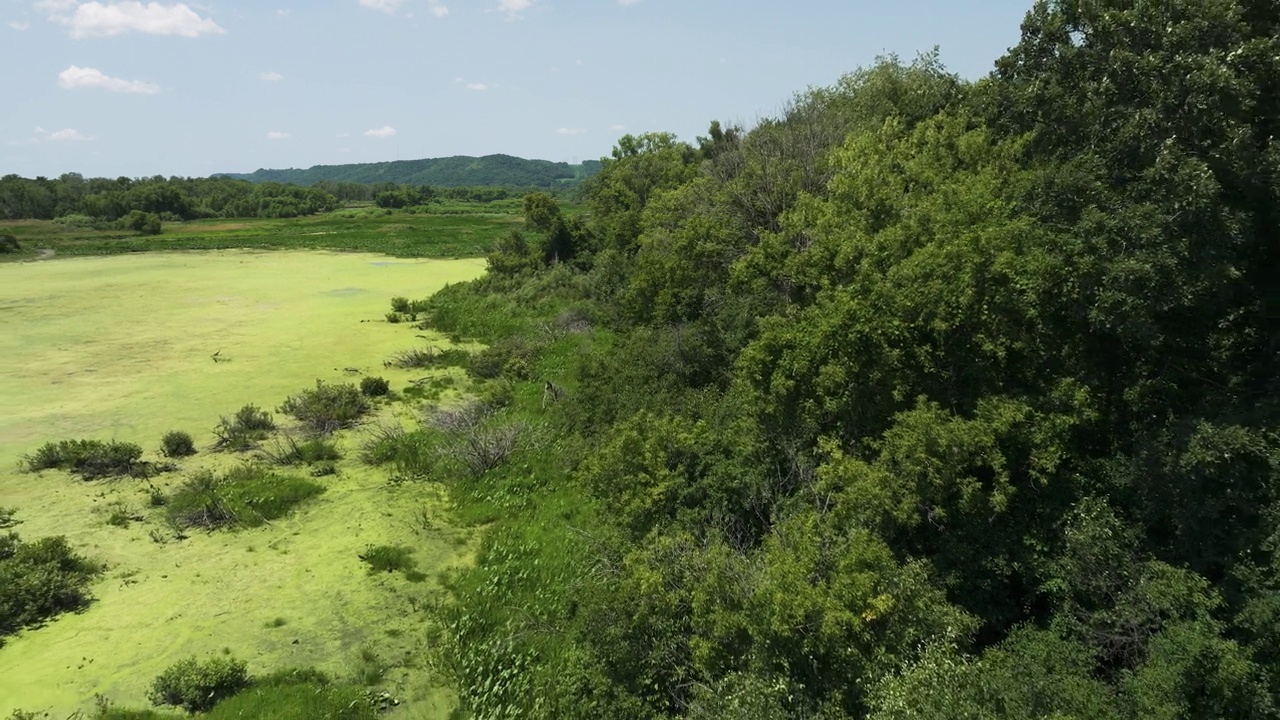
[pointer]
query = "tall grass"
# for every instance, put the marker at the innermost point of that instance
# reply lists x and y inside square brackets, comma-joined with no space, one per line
[247,496]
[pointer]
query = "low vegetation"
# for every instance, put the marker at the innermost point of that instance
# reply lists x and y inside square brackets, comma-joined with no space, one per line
[244,430]
[39,580]
[374,387]
[9,244]
[177,444]
[288,450]
[198,685]
[389,558]
[247,496]
[90,459]
[327,408]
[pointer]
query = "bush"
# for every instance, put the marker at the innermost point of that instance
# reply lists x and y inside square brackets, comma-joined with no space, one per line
[428,357]
[177,444]
[247,496]
[388,558]
[39,580]
[142,222]
[374,386]
[400,304]
[197,686]
[512,357]
[327,408]
[90,459]
[288,451]
[9,244]
[243,431]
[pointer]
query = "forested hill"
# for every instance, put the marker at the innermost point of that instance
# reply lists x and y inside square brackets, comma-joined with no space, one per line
[456,171]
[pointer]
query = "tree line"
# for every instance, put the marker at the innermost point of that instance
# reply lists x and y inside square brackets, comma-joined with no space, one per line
[924,399]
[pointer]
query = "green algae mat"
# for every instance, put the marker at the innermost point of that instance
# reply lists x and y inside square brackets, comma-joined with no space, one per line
[130,347]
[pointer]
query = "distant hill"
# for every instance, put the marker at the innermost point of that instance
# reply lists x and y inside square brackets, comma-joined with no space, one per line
[457,171]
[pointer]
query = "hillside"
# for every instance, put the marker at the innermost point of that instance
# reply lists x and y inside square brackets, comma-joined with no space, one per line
[457,171]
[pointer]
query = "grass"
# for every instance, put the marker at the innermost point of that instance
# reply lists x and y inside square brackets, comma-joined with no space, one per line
[436,235]
[282,320]
[389,558]
[247,496]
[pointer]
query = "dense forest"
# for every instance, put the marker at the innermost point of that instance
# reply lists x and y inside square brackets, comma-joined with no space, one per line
[924,399]
[457,171]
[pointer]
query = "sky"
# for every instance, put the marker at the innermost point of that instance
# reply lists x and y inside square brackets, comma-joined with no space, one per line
[125,88]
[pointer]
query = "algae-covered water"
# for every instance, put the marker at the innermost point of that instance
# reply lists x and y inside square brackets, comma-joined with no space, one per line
[122,347]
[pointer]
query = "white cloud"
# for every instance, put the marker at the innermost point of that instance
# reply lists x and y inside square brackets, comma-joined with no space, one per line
[59,135]
[570,131]
[477,86]
[277,135]
[437,8]
[270,76]
[283,13]
[94,19]
[513,8]
[16,25]
[618,127]
[387,6]
[385,131]
[628,2]
[78,77]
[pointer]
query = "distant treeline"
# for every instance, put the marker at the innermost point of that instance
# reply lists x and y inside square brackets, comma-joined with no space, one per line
[172,199]
[452,172]
[176,198]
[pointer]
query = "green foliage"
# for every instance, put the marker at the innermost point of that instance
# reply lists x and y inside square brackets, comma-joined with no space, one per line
[177,444]
[90,459]
[197,686]
[244,430]
[9,244]
[39,580]
[327,408]
[247,496]
[389,558]
[287,450]
[141,222]
[374,387]
[452,172]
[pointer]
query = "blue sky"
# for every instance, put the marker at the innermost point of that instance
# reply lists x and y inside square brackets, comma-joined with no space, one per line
[110,88]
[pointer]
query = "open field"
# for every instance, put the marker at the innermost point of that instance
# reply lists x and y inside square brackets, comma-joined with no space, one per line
[120,348]
[451,234]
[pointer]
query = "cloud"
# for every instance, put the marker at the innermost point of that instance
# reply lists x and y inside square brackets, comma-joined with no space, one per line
[618,127]
[570,131]
[477,86]
[16,25]
[270,76]
[628,2]
[387,6]
[277,135]
[283,13]
[435,7]
[94,19]
[64,135]
[78,77]
[385,131]
[513,8]
[342,135]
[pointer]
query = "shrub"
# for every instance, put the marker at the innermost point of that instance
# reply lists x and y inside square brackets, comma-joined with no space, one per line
[297,695]
[142,222]
[90,459]
[197,686]
[327,408]
[39,580]
[247,496]
[9,244]
[512,357]
[244,430]
[6,518]
[388,558]
[473,440]
[428,357]
[400,304]
[374,386]
[288,451]
[177,444]
[393,318]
